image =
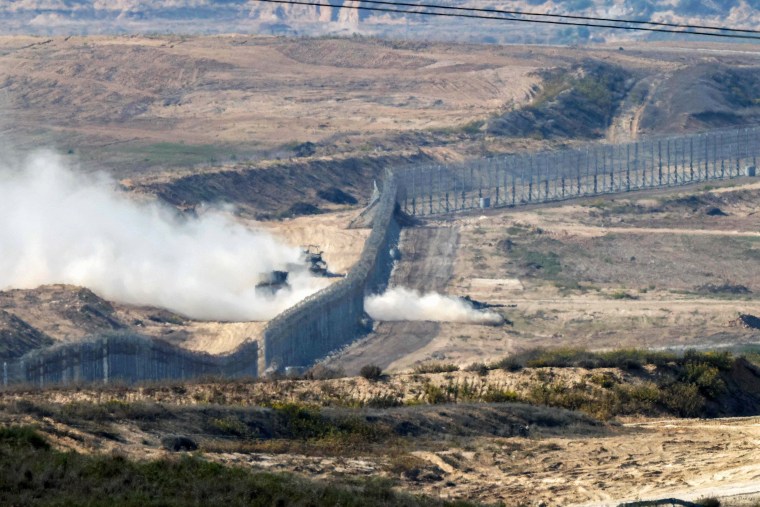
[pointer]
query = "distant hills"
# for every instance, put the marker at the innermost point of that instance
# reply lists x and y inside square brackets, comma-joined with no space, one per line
[87,17]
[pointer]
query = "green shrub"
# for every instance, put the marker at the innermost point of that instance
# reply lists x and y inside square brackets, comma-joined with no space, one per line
[22,436]
[433,394]
[705,377]
[499,396]
[230,426]
[509,364]
[371,372]
[383,401]
[435,367]
[622,295]
[723,361]
[479,368]
[682,399]
[605,380]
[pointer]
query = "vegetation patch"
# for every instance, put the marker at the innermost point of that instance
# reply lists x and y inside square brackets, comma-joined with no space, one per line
[435,367]
[31,473]
[704,384]
[178,154]
[724,288]
[579,102]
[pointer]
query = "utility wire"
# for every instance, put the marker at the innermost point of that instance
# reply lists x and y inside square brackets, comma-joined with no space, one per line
[500,18]
[566,16]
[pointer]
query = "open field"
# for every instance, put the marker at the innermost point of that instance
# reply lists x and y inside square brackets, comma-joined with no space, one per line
[138,105]
[188,101]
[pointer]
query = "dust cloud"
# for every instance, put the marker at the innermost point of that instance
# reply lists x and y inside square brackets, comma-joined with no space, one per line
[59,225]
[405,304]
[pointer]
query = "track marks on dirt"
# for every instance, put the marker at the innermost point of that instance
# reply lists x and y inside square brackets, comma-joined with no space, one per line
[426,265]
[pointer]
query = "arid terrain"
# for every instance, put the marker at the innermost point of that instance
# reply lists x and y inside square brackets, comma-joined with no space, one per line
[291,133]
[644,270]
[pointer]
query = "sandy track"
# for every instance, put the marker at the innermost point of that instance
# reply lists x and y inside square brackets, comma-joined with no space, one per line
[427,263]
[687,459]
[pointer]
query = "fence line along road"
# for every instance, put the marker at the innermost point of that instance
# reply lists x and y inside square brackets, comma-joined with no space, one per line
[595,169]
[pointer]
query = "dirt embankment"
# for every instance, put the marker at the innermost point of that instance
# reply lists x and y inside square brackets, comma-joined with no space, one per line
[284,190]
[580,102]
[705,96]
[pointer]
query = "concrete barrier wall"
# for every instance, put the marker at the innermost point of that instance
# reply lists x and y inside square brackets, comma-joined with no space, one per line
[334,316]
[125,358]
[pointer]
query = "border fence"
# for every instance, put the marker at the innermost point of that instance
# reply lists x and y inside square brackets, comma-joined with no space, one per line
[125,358]
[595,169]
[334,316]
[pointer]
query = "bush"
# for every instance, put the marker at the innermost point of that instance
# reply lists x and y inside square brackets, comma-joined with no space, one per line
[322,372]
[371,372]
[177,443]
[705,377]
[434,395]
[383,401]
[479,368]
[683,399]
[723,361]
[435,367]
[22,436]
[499,396]
[38,475]
[509,364]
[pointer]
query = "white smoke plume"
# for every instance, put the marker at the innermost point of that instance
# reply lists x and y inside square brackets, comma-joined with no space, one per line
[405,304]
[58,225]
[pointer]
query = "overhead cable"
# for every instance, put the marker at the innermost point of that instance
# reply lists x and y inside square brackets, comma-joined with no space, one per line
[474,15]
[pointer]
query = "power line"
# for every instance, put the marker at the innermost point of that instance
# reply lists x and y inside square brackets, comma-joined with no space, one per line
[521,20]
[565,16]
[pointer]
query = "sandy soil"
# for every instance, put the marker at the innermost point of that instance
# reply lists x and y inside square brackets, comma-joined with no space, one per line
[114,94]
[425,266]
[139,105]
[683,459]
[340,245]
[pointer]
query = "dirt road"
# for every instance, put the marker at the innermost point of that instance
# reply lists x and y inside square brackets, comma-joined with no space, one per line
[427,264]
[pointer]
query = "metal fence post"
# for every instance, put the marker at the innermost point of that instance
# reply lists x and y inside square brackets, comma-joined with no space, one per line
[659,153]
[596,171]
[691,158]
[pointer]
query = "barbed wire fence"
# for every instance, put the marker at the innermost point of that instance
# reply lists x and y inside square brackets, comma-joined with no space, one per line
[595,169]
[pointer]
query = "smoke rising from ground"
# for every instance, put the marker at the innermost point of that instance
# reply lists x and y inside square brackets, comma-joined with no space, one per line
[406,304]
[58,225]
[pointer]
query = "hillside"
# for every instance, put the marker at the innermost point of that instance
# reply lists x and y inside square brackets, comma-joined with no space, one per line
[205,119]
